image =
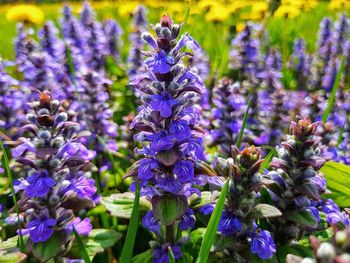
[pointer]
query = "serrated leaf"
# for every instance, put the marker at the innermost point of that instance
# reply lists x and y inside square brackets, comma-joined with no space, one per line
[264,211]
[338,182]
[305,218]
[48,249]
[120,205]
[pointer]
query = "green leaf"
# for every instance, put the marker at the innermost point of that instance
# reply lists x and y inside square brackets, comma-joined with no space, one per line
[212,228]
[48,249]
[245,118]
[331,98]
[305,218]
[267,160]
[264,211]
[5,161]
[144,257]
[81,247]
[121,205]
[338,182]
[100,239]
[132,229]
[9,251]
[14,257]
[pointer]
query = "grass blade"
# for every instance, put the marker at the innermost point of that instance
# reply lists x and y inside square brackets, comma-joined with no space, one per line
[267,160]
[212,228]
[132,229]
[9,174]
[245,118]
[171,255]
[331,98]
[81,246]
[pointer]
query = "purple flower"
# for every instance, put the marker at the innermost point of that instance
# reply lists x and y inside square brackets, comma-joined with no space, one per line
[184,171]
[229,224]
[40,229]
[40,184]
[161,254]
[187,220]
[160,63]
[263,245]
[161,141]
[163,103]
[150,222]
[83,227]
[147,168]
[180,130]
[333,213]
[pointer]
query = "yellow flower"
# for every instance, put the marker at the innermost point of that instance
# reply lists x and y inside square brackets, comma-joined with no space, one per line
[339,4]
[127,8]
[25,13]
[240,27]
[218,13]
[287,11]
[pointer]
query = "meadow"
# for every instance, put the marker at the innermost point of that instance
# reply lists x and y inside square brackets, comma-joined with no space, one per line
[169,131]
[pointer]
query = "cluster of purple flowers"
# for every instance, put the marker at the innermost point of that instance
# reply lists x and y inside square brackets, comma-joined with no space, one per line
[238,219]
[56,184]
[227,115]
[171,139]
[135,58]
[295,184]
[12,101]
[72,69]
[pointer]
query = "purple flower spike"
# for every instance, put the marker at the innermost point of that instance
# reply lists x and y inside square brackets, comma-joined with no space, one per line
[171,141]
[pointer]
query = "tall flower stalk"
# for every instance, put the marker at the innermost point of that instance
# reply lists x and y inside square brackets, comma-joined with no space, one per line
[135,58]
[295,183]
[170,137]
[238,223]
[56,186]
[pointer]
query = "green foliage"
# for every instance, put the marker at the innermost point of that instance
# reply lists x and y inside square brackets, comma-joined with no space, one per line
[132,229]
[213,225]
[48,250]
[331,98]
[338,182]
[81,247]
[121,205]
[264,211]
[245,118]
[5,162]
[305,218]
[9,252]
[145,257]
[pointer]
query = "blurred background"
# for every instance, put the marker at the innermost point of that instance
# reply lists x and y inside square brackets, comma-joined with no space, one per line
[212,23]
